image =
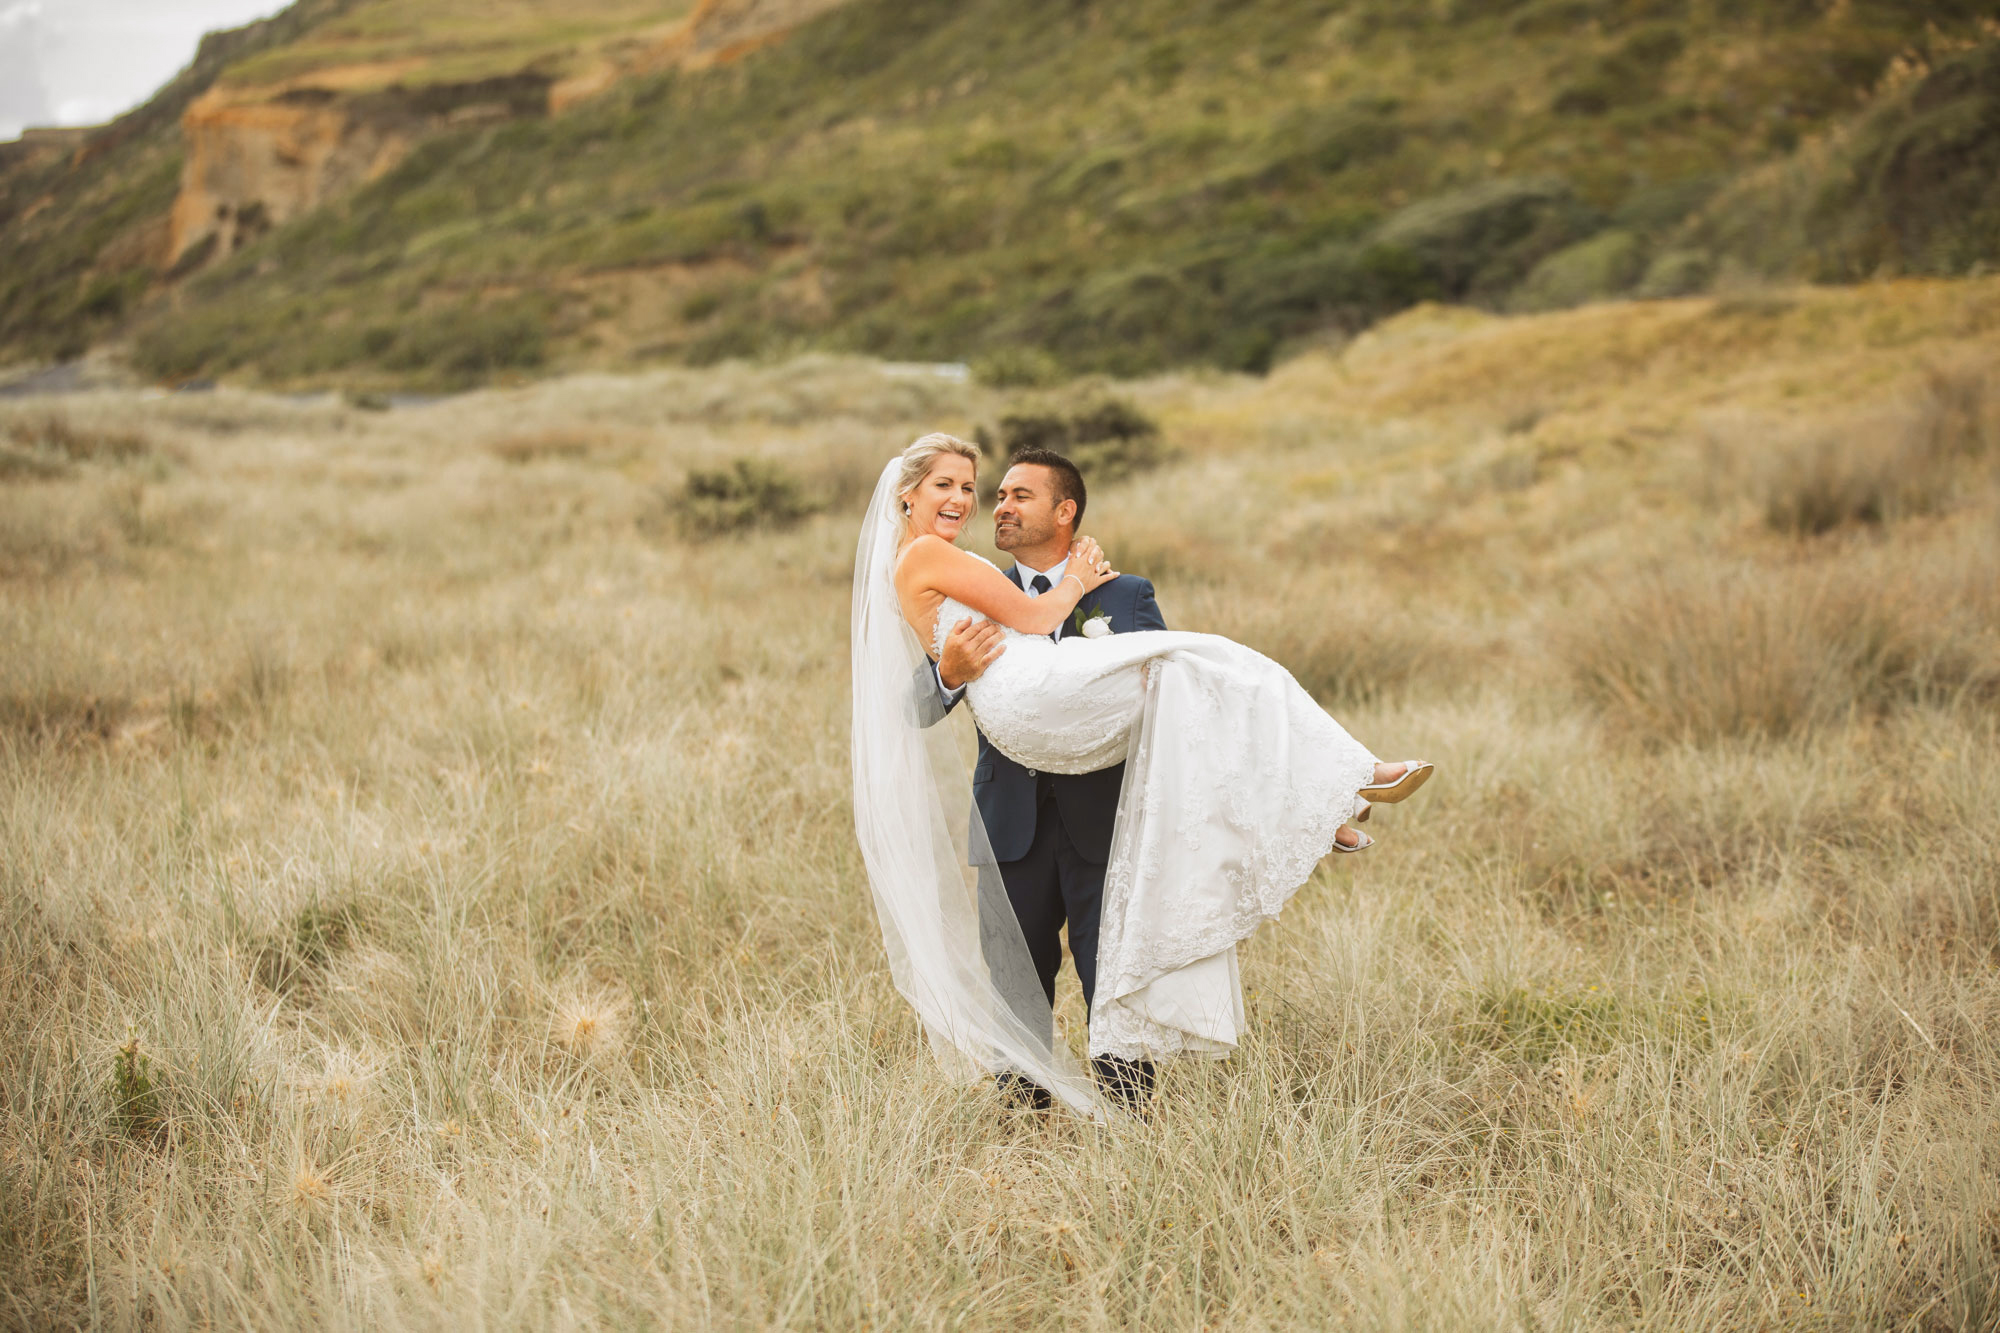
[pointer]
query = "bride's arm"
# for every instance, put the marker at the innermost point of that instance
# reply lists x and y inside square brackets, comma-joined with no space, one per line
[932,562]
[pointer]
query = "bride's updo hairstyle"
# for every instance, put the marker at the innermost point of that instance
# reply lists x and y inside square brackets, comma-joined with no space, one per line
[922,456]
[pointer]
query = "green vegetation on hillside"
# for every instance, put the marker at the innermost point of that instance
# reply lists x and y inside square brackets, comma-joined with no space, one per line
[1122,186]
[452,40]
[74,228]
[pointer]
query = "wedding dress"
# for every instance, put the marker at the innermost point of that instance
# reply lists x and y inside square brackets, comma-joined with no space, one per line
[1235,784]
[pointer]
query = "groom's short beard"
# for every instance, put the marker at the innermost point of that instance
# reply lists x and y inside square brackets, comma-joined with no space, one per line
[1017,536]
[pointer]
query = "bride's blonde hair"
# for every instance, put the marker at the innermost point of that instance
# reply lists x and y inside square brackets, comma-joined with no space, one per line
[922,456]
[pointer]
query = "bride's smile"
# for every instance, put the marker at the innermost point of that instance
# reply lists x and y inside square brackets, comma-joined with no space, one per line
[945,500]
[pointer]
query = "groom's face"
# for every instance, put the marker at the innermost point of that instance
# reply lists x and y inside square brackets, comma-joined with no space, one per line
[1026,514]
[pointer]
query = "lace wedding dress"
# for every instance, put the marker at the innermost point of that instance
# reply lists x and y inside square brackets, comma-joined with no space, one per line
[1235,783]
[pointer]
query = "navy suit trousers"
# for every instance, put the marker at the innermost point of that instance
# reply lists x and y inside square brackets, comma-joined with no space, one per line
[1055,885]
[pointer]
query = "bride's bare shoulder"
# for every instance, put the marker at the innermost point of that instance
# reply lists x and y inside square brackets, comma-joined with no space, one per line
[927,551]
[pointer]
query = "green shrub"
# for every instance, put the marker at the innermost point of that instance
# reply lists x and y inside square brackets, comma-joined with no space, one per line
[1606,265]
[1914,188]
[750,493]
[463,343]
[1677,273]
[1109,439]
[135,1099]
[1478,242]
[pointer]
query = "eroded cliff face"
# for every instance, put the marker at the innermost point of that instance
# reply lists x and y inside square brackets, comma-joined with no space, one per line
[259,157]
[254,164]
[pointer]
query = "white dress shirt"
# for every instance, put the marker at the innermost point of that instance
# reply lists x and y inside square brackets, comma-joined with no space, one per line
[1054,574]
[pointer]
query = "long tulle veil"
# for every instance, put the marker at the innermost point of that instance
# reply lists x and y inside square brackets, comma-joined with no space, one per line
[955,948]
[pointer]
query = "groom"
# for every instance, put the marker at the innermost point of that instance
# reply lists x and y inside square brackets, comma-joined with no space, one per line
[1050,832]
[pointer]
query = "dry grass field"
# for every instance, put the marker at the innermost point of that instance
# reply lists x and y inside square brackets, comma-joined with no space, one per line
[428,899]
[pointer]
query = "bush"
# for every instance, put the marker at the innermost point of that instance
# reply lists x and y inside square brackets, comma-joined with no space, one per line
[1108,439]
[1476,243]
[1606,265]
[1677,273]
[464,343]
[749,493]
[1913,188]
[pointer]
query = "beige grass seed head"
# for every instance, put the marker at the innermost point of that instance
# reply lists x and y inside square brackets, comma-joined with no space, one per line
[591,1024]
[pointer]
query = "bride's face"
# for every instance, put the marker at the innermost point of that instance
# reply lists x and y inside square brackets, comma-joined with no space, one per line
[942,503]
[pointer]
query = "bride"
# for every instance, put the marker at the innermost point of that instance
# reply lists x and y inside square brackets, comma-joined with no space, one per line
[1236,785]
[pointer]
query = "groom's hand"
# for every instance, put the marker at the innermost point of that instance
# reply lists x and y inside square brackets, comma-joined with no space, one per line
[969,649]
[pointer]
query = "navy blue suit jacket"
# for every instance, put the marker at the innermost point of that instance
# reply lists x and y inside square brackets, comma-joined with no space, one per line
[1004,792]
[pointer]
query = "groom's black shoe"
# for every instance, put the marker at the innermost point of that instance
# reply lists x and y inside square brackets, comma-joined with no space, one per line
[1127,1082]
[1022,1093]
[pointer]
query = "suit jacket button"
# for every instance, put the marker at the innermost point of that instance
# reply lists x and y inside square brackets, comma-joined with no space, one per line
[1032,773]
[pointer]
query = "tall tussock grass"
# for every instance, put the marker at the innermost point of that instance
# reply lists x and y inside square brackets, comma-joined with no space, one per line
[428,895]
[1712,648]
[1900,465]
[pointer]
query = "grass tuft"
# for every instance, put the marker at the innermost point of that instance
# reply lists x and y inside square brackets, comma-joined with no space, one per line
[304,948]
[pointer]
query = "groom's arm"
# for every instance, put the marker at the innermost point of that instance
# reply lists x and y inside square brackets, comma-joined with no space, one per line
[931,698]
[1146,608]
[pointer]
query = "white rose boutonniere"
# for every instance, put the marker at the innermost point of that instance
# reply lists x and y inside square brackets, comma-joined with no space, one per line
[1096,627]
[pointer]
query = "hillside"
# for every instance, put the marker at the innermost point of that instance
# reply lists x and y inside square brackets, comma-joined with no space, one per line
[421,194]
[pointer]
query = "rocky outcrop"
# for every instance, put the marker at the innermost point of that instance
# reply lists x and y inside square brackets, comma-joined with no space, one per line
[257,159]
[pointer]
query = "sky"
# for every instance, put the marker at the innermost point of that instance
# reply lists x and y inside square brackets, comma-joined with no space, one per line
[81,62]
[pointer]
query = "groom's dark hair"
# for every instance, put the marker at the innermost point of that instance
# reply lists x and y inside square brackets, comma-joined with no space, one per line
[1069,481]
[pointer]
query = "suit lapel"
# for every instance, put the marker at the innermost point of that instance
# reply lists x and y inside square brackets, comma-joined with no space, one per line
[1107,600]
[1083,606]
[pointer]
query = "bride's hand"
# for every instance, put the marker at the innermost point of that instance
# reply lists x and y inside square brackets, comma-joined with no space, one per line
[1087,560]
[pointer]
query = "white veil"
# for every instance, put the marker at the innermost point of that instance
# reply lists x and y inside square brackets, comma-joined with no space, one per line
[955,948]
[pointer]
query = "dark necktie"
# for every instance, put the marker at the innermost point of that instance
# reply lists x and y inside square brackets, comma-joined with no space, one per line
[1040,583]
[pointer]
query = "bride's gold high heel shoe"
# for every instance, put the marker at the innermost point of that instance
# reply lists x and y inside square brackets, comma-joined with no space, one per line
[1416,773]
